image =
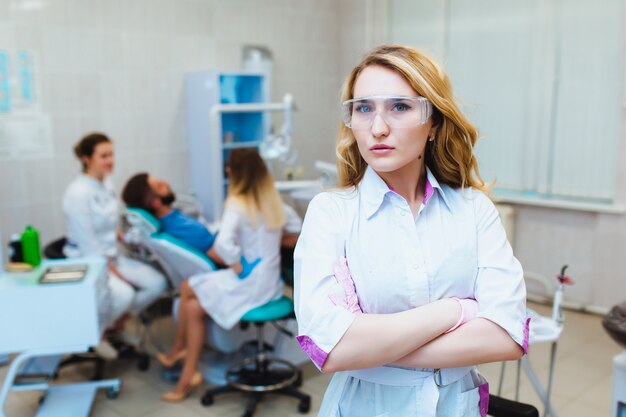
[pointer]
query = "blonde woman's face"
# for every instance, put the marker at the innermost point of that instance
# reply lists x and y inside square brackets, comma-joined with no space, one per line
[387,149]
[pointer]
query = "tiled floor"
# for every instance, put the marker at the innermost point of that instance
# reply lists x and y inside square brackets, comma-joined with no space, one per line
[582,385]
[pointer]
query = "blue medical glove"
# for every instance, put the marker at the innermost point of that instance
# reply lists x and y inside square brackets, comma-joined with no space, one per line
[247,266]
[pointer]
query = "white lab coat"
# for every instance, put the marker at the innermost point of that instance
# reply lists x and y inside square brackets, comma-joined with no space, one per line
[224,296]
[91,213]
[456,247]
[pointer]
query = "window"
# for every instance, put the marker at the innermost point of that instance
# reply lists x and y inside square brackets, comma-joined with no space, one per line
[542,80]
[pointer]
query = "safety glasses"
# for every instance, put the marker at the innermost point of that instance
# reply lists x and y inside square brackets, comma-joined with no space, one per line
[396,111]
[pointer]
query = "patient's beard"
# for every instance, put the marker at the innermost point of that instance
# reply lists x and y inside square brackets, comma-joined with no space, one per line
[168,200]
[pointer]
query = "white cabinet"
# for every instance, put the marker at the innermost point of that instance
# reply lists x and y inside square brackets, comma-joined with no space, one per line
[213,129]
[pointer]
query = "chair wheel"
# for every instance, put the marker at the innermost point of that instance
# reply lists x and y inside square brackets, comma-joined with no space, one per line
[206,400]
[143,364]
[304,406]
[112,393]
[298,382]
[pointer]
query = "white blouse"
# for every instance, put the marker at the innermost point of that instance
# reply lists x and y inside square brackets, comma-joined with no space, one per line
[91,213]
[455,247]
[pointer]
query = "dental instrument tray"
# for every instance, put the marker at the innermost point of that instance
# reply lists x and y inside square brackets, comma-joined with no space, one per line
[63,273]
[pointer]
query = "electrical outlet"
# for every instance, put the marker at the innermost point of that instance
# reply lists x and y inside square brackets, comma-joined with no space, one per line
[288,173]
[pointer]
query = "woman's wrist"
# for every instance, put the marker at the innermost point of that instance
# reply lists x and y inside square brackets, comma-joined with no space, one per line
[237,267]
[446,310]
[452,311]
[469,311]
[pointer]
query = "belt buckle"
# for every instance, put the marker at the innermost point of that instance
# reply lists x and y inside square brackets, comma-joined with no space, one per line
[437,378]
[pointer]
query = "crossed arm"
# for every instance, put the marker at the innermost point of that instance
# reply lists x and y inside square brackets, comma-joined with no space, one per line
[476,342]
[428,336]
[377,339]
[415,338]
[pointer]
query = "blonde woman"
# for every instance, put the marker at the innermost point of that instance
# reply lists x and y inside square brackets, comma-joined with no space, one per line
[388,267]
[254,222]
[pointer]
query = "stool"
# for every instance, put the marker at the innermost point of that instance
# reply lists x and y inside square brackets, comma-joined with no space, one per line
[262,374]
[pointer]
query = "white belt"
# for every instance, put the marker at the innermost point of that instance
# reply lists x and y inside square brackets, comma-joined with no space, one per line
[430,379]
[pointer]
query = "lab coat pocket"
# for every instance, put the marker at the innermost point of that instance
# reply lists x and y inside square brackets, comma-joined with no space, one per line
[473,402]
[466,404]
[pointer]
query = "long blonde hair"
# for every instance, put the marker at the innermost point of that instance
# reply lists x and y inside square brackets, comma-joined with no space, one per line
[450,156]
[251,189]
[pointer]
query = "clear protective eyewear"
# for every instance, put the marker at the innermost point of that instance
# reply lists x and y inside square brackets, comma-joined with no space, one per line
[396,111]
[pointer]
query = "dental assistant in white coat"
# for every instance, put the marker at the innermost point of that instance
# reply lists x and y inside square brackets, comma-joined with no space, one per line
[91,210]
[418,241]
[254,223]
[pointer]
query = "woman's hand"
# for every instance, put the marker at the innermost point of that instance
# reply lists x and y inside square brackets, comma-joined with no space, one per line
[237,268]
[243,268]
[349,301]
[119,275]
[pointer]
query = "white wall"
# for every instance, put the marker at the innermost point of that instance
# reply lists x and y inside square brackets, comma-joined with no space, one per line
[592,244]
[118,66]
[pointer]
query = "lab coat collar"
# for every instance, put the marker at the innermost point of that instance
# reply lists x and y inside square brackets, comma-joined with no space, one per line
[430,177]
[91,180]
[374,190]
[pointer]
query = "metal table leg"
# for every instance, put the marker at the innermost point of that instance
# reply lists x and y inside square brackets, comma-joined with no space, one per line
[534,380]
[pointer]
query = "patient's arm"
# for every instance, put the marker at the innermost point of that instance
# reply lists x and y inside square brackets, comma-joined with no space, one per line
[289,240]
[212,254]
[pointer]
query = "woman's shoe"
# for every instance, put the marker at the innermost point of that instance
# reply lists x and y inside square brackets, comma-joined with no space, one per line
[168,361]
[176,396]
